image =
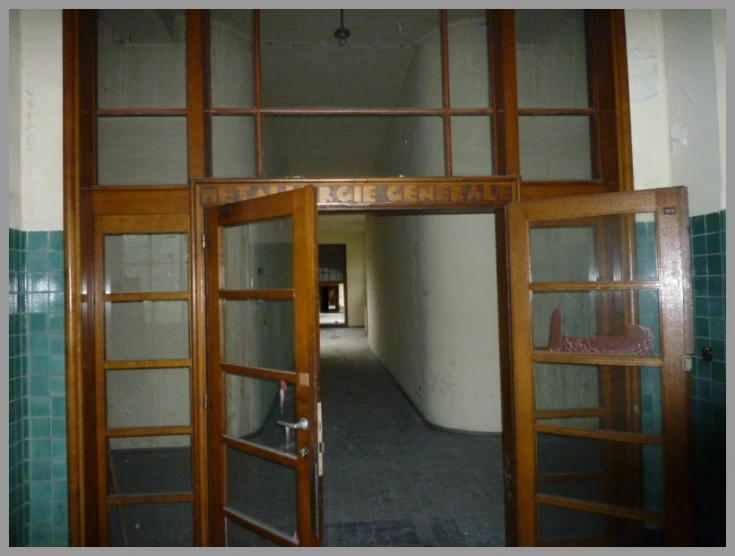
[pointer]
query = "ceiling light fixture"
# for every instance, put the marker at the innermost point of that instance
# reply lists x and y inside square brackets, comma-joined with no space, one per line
[342,34]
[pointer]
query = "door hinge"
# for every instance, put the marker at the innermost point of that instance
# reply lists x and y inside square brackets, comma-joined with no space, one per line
[204,241]
[206,401]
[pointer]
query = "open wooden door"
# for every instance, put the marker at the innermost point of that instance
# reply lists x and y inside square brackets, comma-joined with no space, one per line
[601,334]
[263,371]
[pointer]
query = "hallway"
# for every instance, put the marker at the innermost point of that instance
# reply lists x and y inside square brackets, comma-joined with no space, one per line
[389,478]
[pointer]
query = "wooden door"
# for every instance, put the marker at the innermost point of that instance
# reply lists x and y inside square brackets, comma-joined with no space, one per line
[263,371]
[601,331]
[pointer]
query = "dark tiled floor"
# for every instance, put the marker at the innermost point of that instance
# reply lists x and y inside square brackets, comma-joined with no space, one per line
[390,479]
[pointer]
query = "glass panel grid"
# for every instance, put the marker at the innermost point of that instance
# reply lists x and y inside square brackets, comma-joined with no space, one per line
[262,490]
[146,263]
[146,330]
[149,465]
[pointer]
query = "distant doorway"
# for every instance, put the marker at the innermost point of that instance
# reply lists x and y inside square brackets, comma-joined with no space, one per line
[333,284]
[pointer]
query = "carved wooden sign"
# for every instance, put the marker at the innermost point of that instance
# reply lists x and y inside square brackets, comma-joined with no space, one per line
[368,195]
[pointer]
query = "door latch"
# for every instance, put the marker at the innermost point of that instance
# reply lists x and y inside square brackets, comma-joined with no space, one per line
[687,363]
[319,440]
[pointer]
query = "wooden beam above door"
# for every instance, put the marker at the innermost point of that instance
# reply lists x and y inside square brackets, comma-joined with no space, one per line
[405,194]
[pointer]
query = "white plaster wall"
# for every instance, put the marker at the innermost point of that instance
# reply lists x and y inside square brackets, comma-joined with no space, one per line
[15,116]
[692,90]
[431,280]
[356,294]
[41,144]
[356,287]
[432,308]
[649,106]
[720,49]
[677,81]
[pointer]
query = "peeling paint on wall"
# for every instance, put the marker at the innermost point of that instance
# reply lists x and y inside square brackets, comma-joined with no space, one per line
[679,133]
[644,72]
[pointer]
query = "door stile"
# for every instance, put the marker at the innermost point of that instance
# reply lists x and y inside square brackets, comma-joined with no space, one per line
[302,372]
[676,302]
[307,345]
[522,383]
[214,378]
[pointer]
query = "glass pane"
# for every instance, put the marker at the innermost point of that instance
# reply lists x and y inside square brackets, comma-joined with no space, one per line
[143,263]
[391,59]
[259,333]
[593,322]
[142,525]
[233,147]
[562,524]
[239,536]
[581,260]
[253,407]
[147,398]
[634,396]
[469,73]
[146,330]
[149,465]
[262,490]
[148,150]
[557,454]
[141,59]
[231,58]
[555,147]
[341,147]
[472,146]
[259,255]
[608,472]
[551,59]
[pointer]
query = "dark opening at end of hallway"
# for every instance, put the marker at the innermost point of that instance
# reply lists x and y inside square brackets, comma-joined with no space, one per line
[389,478]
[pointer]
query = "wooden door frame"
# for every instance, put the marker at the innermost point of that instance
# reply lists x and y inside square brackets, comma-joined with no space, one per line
[301,207]
[334,197]
[83,201]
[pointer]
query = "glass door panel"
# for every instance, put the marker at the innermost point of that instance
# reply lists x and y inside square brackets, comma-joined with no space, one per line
[601,310]
[254,407]
[259,333]
[144,385]
[259,255]
[151,465]
[144,525]
[263,371]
